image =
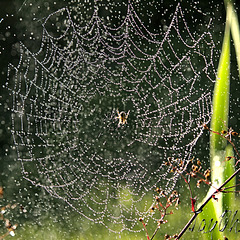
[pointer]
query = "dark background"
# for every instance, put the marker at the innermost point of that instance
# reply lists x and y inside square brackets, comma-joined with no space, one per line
[28,30]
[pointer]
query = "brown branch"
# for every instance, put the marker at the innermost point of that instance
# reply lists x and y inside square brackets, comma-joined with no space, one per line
[155,232]
[204,204]
[227,137]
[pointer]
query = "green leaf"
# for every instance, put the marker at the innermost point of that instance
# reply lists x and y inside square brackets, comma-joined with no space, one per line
[235,32]
[205,216]
[219,120]
[229,198]
[221,92]
[218,123]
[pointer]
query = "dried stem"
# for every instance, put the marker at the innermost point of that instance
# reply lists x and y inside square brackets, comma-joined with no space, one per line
[203,205]
[155,232]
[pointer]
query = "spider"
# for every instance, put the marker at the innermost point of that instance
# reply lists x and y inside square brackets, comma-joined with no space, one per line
[122,116]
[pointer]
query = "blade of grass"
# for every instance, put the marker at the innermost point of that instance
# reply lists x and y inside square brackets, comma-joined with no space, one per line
[229,198]
[235,32]
[219,122]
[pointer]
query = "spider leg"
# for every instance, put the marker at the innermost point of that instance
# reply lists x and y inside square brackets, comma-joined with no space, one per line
[120,122]
[119,116]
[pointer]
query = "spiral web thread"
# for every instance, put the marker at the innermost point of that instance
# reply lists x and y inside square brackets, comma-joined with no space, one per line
[65,99]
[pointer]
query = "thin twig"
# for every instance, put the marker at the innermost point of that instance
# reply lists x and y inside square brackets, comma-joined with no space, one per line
[204,204]
[155,232]
[227,137]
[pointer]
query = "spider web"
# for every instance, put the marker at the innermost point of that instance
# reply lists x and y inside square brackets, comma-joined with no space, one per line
[65,99]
